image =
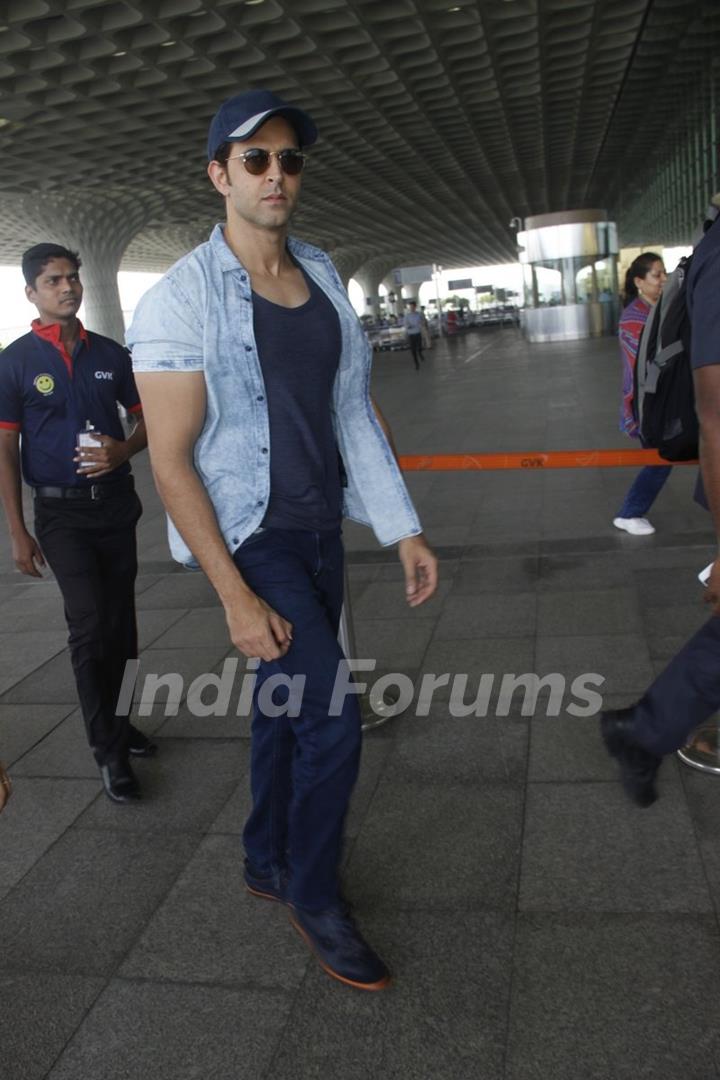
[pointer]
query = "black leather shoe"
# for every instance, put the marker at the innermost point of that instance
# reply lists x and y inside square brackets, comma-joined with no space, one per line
[340,948]
[638,767]
[140,745]
[273,887]
[119,781]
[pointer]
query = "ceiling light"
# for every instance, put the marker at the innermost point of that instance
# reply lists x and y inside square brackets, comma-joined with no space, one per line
[4,121]
[167,44]
[119,54]
[251,3]
[452,9]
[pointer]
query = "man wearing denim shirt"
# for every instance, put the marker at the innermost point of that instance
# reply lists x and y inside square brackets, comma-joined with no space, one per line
[253,370]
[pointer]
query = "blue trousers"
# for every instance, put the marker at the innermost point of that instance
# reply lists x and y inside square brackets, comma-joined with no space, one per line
[644,490]
[303,768]
[684,695]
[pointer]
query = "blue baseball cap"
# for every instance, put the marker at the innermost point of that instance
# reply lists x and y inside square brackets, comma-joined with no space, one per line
[239,117]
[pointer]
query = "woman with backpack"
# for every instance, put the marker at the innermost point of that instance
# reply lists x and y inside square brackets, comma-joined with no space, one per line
[644,283]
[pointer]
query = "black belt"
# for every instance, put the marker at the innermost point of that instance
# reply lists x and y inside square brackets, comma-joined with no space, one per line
[91,493]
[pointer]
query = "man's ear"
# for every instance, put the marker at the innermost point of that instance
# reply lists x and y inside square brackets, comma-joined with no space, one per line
[30,293]
[218,177]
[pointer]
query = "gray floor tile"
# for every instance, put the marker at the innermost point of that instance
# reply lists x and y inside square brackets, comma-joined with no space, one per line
[487,615]
[602,998]
[583,572]
[184,788]
[420,1027]
[608,855]
[621,659]
[189,589]
[681,619]
[155,622]
[211,930]
[205,626]
[38,1014]
[86,901]
[37,814]
[414,829]
[599,611]
[21,653]
[50,683]
[141,1030]
[394,643]
[22,726]
[64,752]
[160,664]
[386,600]
[498,575]
[442,748]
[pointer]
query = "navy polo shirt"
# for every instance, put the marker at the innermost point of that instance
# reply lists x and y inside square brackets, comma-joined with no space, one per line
[48,396]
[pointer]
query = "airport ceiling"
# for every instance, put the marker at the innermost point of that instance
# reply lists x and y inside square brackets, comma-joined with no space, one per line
[440,120]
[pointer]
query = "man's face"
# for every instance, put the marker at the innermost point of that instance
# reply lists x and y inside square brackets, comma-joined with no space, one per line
[57,293]
[266,201]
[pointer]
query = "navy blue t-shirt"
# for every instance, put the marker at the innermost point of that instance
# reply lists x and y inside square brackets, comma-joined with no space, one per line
[299,350]
[48,396]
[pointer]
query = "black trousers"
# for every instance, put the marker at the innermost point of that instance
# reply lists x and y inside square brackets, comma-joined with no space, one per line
[416,349]
[91,548]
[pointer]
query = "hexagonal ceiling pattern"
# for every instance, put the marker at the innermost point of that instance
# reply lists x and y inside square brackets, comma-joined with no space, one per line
[440,120]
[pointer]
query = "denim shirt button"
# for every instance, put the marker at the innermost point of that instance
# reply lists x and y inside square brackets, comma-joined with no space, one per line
[248,348]
[243,277]
[235,540]
[259,502]
[264,450]
[261,397]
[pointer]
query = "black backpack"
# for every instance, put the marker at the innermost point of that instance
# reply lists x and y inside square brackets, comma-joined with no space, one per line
[664,398]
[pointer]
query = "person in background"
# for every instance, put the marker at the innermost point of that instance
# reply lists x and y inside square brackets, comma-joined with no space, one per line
[413,323]
[644,283]
[55,381]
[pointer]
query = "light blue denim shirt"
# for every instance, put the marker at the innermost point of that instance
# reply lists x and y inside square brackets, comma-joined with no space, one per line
[199,317]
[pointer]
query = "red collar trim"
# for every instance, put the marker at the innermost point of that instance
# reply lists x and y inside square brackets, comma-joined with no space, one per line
[52,334]
[52,331]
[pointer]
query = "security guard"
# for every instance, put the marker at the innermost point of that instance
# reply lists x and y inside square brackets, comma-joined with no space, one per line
[56,382]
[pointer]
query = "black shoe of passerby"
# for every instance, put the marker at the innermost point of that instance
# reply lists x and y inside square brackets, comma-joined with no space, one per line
[340,948]
[140,745]
[638,767]
[119,781]
[272,887]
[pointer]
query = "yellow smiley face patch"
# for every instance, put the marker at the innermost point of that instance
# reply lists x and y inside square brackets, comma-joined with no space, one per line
[45,384]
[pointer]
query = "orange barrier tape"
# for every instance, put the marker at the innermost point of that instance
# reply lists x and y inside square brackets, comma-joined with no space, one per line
[554,459]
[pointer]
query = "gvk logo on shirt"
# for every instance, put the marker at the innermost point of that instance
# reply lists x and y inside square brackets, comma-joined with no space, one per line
[104,375]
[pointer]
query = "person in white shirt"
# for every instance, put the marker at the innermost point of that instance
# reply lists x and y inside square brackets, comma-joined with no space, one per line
[413,323]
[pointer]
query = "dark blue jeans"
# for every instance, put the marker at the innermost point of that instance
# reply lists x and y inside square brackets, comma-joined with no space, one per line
[644,490]
[684,695]
[303,768]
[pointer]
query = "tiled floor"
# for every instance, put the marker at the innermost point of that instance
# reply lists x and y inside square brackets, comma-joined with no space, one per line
[539,927]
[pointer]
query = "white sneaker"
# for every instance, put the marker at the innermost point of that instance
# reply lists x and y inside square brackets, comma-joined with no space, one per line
[635,526]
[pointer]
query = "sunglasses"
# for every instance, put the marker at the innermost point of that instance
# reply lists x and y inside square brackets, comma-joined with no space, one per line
[257,162]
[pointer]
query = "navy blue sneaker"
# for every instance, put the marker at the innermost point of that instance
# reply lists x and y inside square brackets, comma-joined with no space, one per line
[273,887]
[340,948]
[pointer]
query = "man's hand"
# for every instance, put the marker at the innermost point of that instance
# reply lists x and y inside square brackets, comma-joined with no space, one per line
[712,592]
[257,630]
[98,460]
[421,570]
[27,554]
